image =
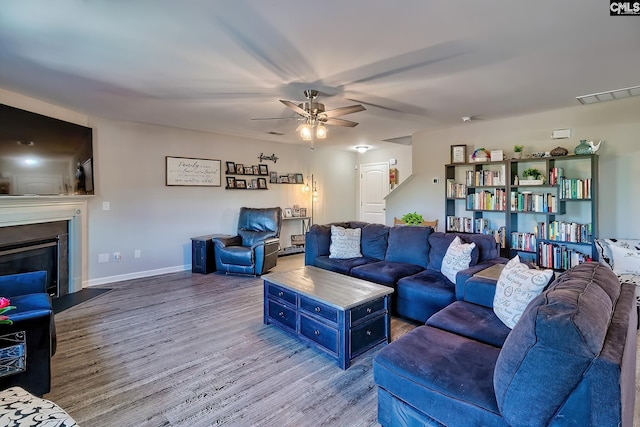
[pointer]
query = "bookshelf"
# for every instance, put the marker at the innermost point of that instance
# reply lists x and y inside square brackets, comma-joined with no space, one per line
[552,223]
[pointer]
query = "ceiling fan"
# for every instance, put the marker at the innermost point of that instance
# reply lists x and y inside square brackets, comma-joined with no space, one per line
[314,116]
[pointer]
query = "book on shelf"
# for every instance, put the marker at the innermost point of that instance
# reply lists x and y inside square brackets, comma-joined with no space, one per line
[455,190]
[486,178]
[478,225]
[495,200]
[559,257]
[523,241]
[528,201]
[575,188]
[565,231]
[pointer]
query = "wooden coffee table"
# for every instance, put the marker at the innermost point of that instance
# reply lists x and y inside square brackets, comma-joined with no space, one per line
[340,315]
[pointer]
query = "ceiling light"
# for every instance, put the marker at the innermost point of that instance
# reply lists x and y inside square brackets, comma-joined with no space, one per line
[466,119]
[321,131]
[609,95]
[305,132]
[362,149]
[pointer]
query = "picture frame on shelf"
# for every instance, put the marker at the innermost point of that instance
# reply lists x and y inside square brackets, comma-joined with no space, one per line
[231,182]
[299,178]
[287,213]
[231,167]
[239,169]
[254,183]
[262,183]
[296,210]
[496,155]
[263,169]
[292,178]
[458,154]
[303,212]
[248,170]
[283,179]
[241,183]
[256,170]
[273,177]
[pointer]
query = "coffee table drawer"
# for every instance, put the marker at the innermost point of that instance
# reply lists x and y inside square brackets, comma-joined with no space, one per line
[283,294]
[323,335]
[366,309]
[282,314]
[319,309]
[367,334]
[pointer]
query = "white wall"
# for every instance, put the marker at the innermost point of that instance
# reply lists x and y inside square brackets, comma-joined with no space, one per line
[616,122]
[146,215]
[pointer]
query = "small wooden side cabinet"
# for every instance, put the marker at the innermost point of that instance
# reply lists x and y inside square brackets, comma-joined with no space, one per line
[202,253]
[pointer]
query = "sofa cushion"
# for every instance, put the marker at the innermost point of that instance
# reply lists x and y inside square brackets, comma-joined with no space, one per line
[626,258]
[447,374]
[409,245]
[385,272]
[457,258]
[516,287]
[421,295]
[472,321]
[553,344]
[345,242]
[342,266]
[439,243]
[374,240]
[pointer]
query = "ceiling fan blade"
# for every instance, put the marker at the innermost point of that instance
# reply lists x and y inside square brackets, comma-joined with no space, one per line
[273,118]
[343,111]
[295,108]
[341,122]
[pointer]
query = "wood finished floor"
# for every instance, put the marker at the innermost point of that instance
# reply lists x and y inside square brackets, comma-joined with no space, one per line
[191,350]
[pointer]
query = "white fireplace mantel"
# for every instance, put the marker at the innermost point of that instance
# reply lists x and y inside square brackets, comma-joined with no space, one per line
[23,210]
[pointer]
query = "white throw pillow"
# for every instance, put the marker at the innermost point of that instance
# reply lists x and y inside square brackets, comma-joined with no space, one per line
[516,287]
[457,258]
[626,258]
[345,242]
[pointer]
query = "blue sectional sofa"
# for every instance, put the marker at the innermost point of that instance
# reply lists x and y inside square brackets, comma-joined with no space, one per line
[570,360]
[406,258]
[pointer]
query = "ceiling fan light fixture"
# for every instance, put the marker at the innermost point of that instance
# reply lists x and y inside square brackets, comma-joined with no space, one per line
[305,132]
[321,131]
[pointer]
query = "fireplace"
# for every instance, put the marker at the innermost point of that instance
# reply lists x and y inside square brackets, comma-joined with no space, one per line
[45,234]
[34,247]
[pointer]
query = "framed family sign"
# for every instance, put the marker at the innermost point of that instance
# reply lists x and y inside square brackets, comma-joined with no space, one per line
[194,172]
[458,154]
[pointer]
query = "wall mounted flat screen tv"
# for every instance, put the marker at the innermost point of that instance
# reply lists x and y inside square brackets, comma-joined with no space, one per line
[40,155]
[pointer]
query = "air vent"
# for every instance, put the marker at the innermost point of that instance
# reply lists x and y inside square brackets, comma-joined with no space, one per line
[609,95]
[275,133]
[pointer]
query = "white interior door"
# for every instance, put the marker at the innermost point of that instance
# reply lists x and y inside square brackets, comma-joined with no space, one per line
[374,187]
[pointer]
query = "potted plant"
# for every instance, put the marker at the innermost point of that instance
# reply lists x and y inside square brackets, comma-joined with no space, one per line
[412,219]
[517,150]
[530,175]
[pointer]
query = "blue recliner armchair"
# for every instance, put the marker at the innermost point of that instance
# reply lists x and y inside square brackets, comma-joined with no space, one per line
[254,250]
[29,343]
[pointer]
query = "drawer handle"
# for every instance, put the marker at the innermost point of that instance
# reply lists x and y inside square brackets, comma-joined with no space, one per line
[369,310]
[368,333]
[317,332]
[281,314]
[317,309]
[280,293]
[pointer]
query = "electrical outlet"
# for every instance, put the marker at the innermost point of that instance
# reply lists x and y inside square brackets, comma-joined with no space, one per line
[103,258]
[137,254]
[117,257]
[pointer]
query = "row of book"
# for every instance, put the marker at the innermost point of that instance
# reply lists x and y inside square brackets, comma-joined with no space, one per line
[555,174]
[454,190]
[564,231]
[485,177]
[559,257]
[533,202]
[495,200]
[478,225]
[523,241]
[575,188]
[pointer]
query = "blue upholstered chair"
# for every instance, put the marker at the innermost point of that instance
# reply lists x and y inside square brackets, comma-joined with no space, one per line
[254,250]
[27,345]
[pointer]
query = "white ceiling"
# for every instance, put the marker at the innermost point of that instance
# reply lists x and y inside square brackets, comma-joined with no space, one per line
[414,64]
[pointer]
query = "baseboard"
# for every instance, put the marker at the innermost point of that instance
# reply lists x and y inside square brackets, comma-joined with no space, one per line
[137,275]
